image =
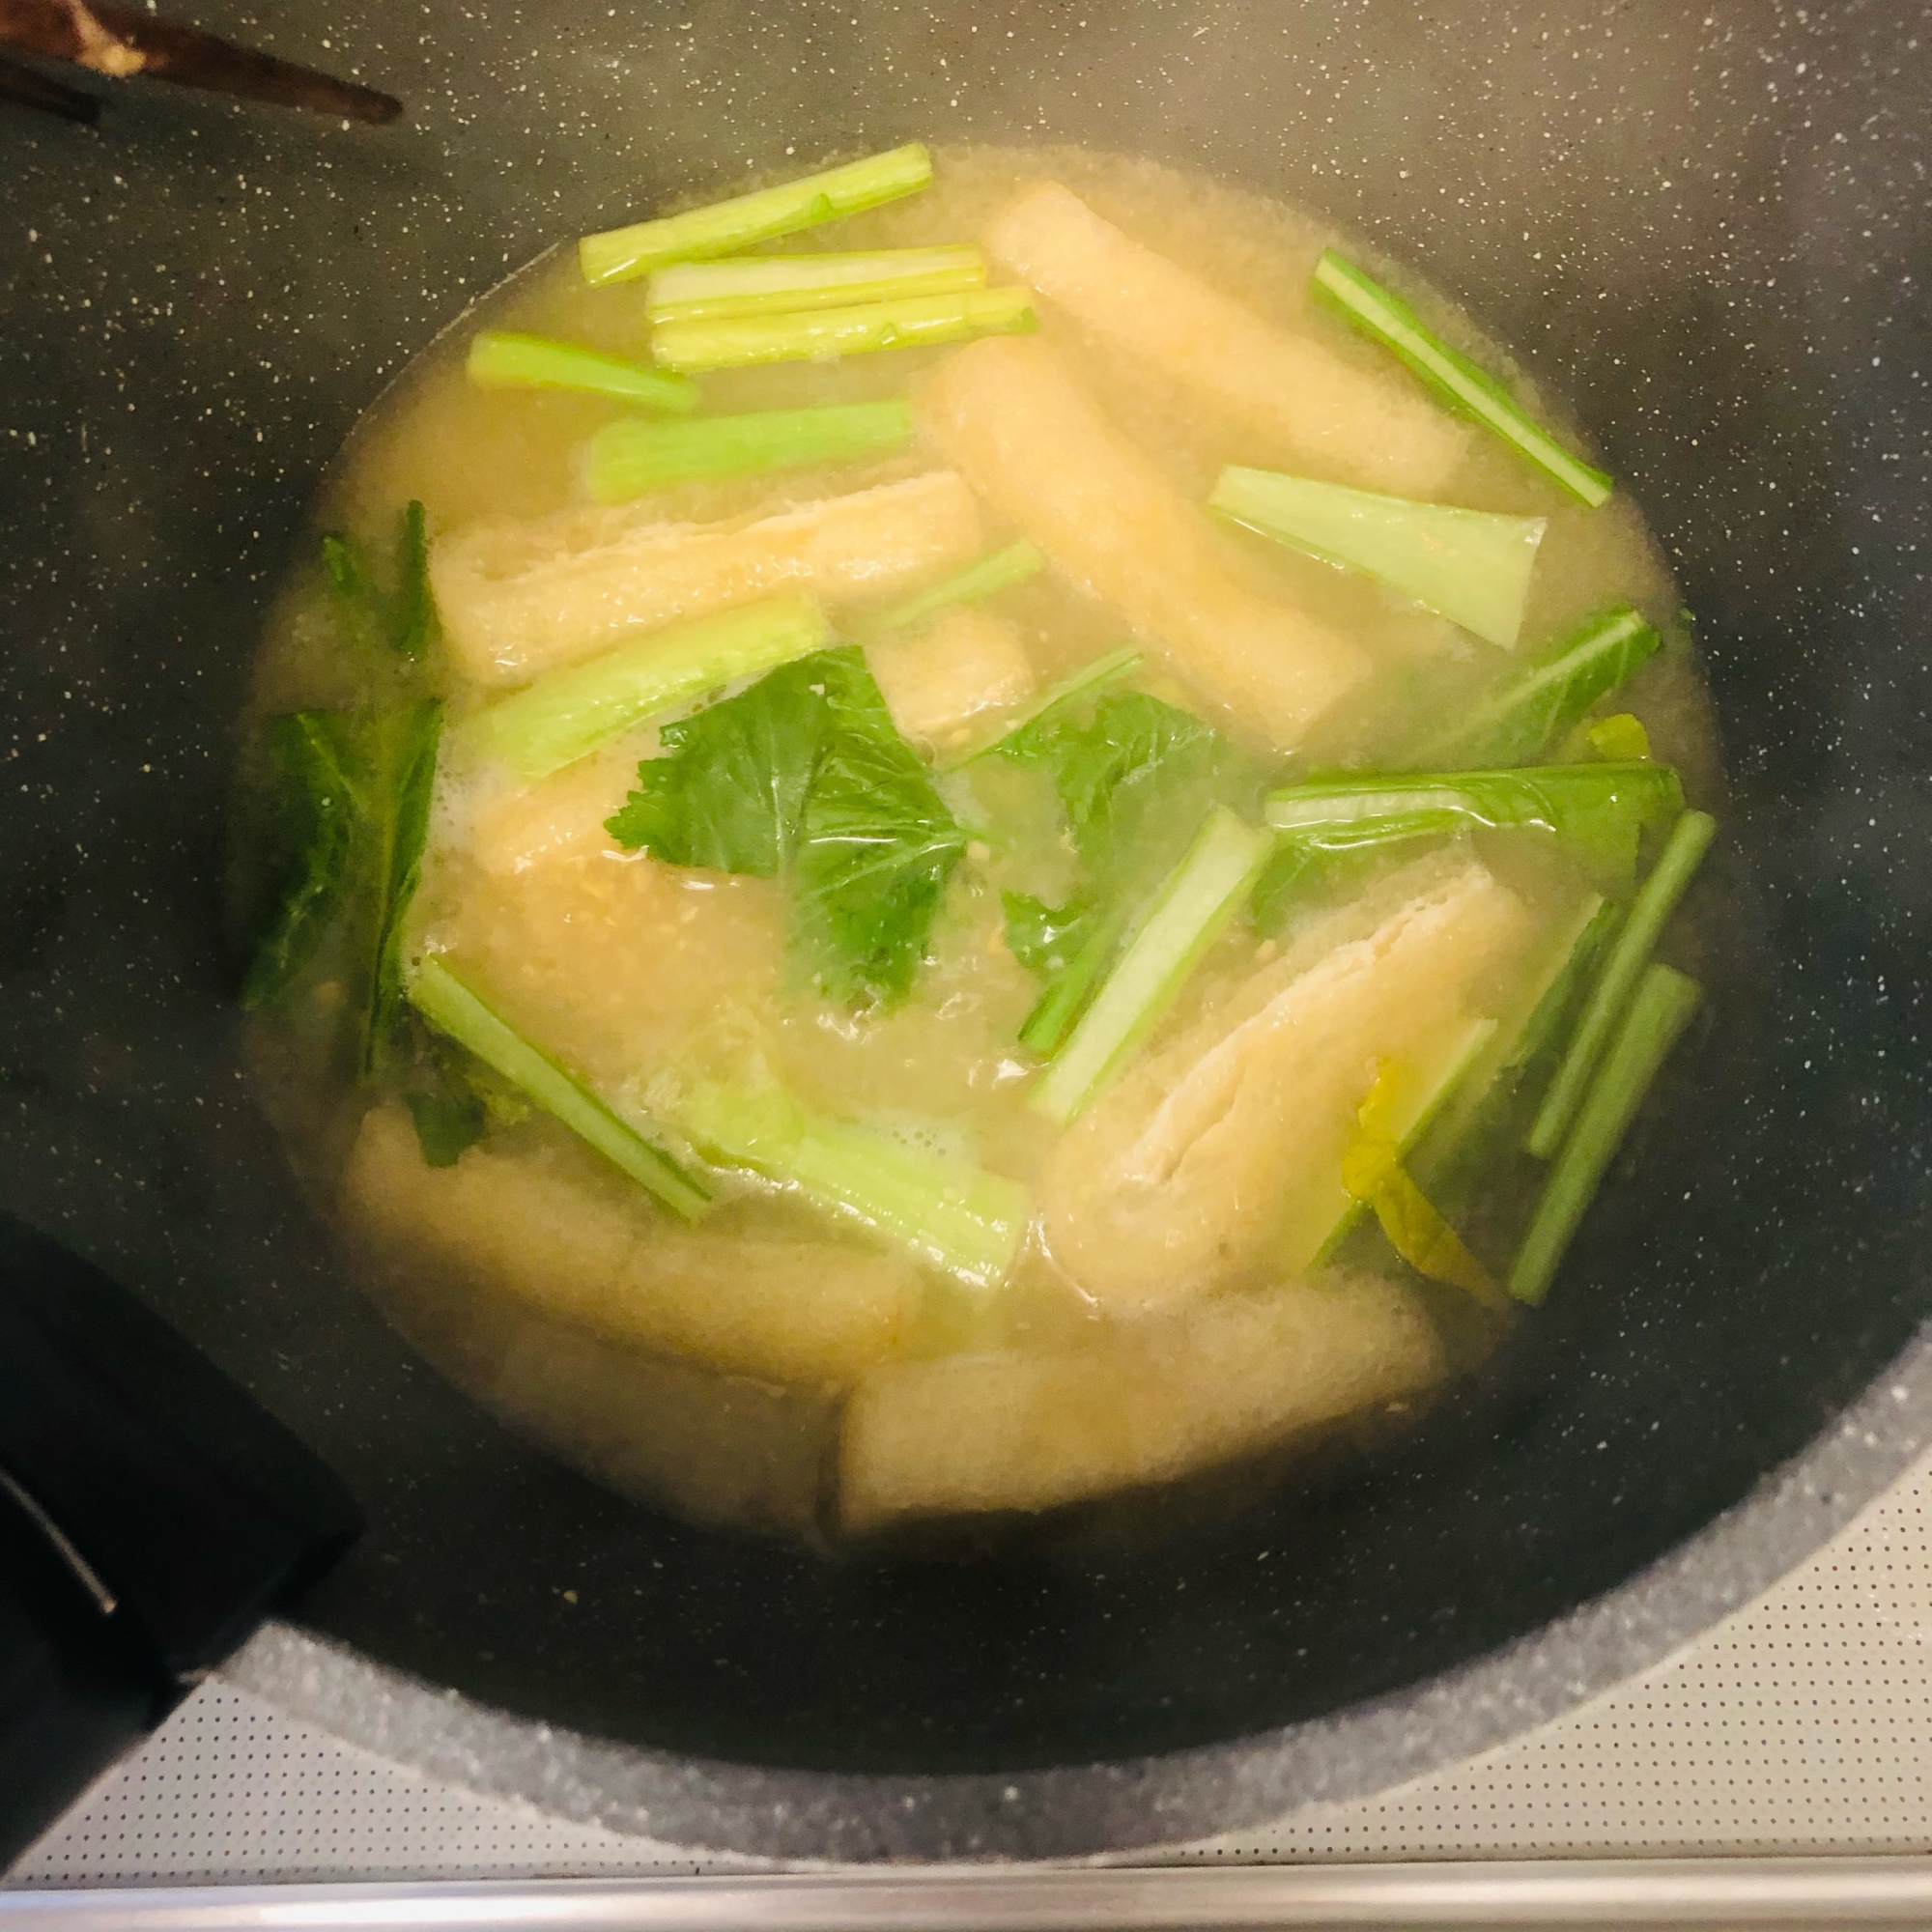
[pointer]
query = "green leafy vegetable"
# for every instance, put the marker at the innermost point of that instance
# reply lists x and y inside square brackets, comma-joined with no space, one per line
[1530,712]
[788,284]
[948,1211]
[1470,566]
[572,712]
[625,459]
[822,334]
[726,227]
[404,621]
[1044,938]
[1059,703]
[1599,809]
[456,1010]
[1391,322]
[1122,773]
[875,852]
[1623,966]
[727,792]
[1181,922]
[315,762]
[1661,1007]
[405,758]
[1004,568]
[502,360]
[803,773]
[1133,777]
[449,1117]
[354,791]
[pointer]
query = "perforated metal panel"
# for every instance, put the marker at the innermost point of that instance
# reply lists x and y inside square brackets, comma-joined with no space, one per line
[1800,1724]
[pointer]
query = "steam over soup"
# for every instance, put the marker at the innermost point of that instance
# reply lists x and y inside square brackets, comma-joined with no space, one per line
[963,836]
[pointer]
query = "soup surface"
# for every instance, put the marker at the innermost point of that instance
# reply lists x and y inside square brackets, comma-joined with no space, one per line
[1096,924]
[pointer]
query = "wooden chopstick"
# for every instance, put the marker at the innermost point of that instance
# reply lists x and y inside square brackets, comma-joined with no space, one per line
[29,89]
[119,40]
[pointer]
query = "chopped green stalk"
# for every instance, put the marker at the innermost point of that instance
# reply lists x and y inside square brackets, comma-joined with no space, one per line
[1411,1112]
[1184,918]
[1520,721]
[1052,1019]
[1599,809]
[415,605]
[1470,1134]
[1661,1009]
[1470,566]
[1474,391]
[1656,900]
[1062,696]
[625,459]
[727,227]
[955,1215]
[790,284]
[569,714]
[453,1008]
[499,360]
[817,337]
[992,573]
[405,758]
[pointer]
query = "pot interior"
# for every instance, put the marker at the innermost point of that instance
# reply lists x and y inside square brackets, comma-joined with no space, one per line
[1709,232]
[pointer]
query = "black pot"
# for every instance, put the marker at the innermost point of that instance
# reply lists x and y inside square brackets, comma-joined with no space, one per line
[1708,228]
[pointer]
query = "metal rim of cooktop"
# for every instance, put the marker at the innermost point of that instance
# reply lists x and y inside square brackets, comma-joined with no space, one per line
[1089,1810]
[1603,1893]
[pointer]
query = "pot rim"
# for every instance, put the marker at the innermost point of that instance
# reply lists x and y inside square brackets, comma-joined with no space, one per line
[1133,1804]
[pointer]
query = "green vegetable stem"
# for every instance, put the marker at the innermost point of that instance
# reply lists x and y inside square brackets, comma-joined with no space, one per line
[1473,392]
[727,227]
[625,459]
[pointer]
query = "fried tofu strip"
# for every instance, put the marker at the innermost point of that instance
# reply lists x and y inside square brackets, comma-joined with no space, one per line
[938,679]
[1036,446]
[520,599]
[1218,1161]
[800,1312]
[1143,1402]
[1292,398]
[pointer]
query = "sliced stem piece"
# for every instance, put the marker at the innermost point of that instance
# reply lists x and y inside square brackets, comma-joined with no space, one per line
[1470,566]
[625,459]
[1184,918]
[1630,953]
[568,714]
[453,1008]
[991,575]
[502,360]
[1474,391]
[416,603]
[820,336]
[1663,1007]
[1090,678]
[726,227]
[1526,713]
[1061,1005]
[950,1212]
[1599,809]
[790,284]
